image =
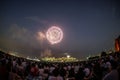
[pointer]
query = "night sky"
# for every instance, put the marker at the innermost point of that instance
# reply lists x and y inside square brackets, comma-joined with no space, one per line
[89,26]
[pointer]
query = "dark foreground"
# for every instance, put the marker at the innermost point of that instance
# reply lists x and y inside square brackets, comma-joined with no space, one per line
[102,68]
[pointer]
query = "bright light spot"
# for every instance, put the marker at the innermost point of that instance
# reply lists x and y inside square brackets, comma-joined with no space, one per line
[54,35]
[68,56]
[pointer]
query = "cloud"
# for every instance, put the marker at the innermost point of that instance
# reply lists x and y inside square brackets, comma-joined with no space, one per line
[21,40]
[23,35]
[37,19]
[17,32]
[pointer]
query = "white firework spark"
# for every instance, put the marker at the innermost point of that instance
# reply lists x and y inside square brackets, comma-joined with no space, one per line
[54,35]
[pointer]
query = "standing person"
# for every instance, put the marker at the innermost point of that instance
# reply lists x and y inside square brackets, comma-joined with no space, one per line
[55,75]
[113,74]
[3,70]
[80,74]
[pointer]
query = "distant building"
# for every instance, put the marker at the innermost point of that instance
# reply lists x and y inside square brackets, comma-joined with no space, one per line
[117,44]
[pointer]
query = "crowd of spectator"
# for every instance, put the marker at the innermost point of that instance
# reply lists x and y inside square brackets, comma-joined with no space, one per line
[17,68]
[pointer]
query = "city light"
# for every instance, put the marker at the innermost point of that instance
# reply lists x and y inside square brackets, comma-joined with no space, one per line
[68,56]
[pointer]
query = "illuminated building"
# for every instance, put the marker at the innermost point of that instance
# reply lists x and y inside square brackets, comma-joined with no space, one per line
[117,44]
